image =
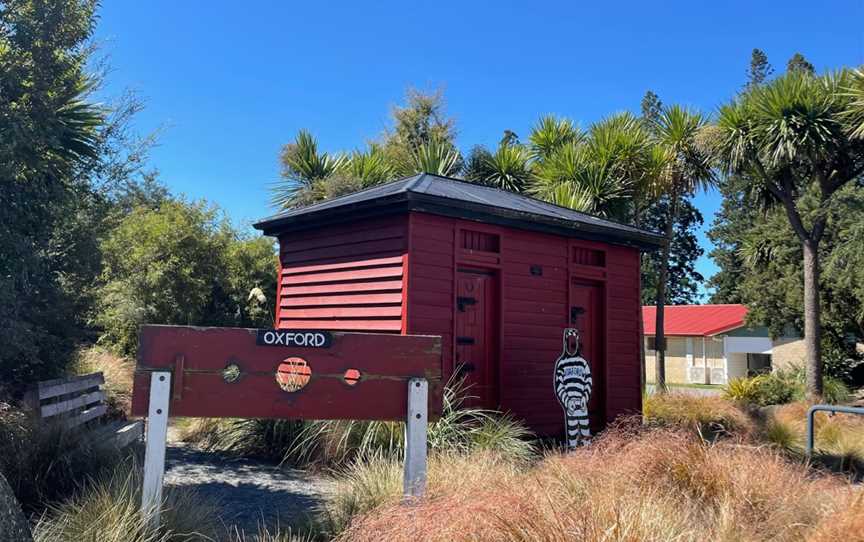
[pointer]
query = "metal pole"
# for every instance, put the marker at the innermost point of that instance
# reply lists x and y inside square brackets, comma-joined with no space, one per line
[157,435]
[811,417]
[414,478]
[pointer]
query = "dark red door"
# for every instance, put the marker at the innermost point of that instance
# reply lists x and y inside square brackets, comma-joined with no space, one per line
[586,314]
[475,342]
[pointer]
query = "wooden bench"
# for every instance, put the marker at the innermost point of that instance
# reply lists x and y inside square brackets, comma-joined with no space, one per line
[79,401]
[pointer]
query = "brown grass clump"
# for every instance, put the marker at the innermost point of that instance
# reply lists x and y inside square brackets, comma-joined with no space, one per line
[846,525]
[118,371]
[631,485]
[838,436]
[710,415]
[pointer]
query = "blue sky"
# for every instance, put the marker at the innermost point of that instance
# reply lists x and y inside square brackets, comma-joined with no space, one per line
[230,83]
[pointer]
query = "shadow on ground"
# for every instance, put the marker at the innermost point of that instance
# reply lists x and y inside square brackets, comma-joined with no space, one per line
[249,491]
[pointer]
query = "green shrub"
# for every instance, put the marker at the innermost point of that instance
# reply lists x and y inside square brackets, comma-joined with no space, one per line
[181,263]
[781,387]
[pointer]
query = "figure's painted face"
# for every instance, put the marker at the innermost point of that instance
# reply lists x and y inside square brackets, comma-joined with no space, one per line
[571,340]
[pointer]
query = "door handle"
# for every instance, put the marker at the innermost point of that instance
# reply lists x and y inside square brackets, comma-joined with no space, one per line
[462,302]
[462,341]
[466,368]
[575,312]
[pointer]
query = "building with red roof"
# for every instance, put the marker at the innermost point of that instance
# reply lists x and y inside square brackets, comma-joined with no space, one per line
[712,344]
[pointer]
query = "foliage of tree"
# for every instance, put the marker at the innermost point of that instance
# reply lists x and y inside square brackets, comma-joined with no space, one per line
[760,69]
[683,280]
[800,64]
[183,264]
[686,169]
[49,137]
[791,143]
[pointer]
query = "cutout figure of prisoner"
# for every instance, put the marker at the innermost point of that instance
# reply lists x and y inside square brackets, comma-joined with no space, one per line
[573,389]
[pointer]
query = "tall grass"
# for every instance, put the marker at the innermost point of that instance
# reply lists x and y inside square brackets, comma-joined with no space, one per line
[118,371]
[709,415]
[459,429]
[632,484]
[107,509]
[44,463]
[838,437]
[337,443]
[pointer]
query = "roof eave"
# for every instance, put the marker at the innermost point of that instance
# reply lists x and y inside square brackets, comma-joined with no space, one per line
[415,201]
[391,204]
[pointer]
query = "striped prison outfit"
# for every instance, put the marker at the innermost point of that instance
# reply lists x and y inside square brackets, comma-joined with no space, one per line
[573,388]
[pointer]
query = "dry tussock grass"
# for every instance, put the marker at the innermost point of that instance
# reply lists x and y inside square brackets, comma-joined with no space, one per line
[631,485]
[836,434]
[707,414]
[118,371]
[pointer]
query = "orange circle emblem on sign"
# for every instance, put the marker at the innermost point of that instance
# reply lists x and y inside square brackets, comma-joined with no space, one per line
[293,374]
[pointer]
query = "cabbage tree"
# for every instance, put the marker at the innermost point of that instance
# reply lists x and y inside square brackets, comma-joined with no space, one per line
[797,138]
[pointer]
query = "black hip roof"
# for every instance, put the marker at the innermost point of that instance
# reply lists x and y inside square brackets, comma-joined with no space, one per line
[455,198]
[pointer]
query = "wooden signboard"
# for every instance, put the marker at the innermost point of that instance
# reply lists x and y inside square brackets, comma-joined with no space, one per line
[248,373]
[284,374]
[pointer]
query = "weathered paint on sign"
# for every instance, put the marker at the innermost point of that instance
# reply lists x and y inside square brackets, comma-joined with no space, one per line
[225,372]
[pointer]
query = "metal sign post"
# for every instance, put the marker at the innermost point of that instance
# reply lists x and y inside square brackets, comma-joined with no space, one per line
[414,476]
[283,374]
[154,455]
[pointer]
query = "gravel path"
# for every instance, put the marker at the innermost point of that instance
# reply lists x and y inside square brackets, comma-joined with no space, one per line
[249,491]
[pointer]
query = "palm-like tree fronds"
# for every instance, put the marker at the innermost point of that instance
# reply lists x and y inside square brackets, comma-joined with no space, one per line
[437,157]
[795,118]
[621,142]
[302,169]
[550,134]
[509,168]
[854,115]
[573,177]
[369,168]
[687,167]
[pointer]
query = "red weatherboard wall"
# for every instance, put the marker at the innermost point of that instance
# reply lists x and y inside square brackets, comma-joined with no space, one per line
[398,274]
[344,277]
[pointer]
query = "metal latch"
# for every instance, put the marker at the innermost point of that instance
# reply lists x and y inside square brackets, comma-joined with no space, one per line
[575,312]
[461,302]
[464,340]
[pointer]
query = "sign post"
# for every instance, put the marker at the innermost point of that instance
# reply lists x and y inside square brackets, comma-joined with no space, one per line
[282,374]
[154,454]
[414,477]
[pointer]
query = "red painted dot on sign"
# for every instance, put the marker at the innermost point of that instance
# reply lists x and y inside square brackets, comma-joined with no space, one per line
[351,377]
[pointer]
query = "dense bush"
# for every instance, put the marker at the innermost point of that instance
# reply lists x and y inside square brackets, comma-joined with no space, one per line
[183,264]
[781,387]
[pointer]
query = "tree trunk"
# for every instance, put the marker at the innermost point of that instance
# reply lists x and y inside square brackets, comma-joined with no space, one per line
[659,332]
[812,320]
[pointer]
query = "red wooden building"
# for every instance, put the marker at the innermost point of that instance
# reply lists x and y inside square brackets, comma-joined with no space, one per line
[497,275]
